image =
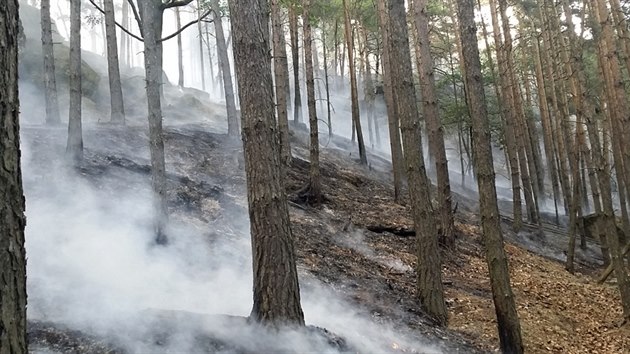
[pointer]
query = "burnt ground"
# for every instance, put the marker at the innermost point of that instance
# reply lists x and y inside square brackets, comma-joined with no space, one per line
[560,312]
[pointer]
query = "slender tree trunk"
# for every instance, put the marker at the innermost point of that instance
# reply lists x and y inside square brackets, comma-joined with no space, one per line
[315,186]
[504,304]
[392,114]
[50,83]
[124,38]
[368,89]
[517,117]
[180,50]
[202,58]
[151,14]
[546,125]
[210,60]
[327,82]
[610,67]
[74,148]
[356,118]
[281,72]
[113,67]
[276,288]
[429,282]
[508,112]
[293,32]
[226,72]
[12,218]
[432,119]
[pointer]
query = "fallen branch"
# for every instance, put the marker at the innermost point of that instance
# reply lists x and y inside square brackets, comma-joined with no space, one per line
[398,231]
[609,270]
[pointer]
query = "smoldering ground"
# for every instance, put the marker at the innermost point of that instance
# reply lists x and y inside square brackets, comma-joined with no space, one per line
[93,267]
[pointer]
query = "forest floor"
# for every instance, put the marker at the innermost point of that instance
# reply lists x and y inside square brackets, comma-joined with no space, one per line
[560,312]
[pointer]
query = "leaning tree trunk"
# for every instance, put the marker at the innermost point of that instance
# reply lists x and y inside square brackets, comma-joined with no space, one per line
[282,81]
[50,84]
[315,185]
[12,218]
[113,67]
[504,304]
[74,148]
[276,288]
[224,65]
[151,14]
[429,282]
[432,117]
[356,118]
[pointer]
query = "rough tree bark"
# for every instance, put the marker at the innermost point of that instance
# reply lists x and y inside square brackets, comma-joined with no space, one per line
[74,147]
[429,283]
[504,304]
[113,67]
[276,288]
[12,218]
[50,83]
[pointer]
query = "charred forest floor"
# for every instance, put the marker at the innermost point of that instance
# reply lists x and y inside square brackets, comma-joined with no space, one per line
[360,242]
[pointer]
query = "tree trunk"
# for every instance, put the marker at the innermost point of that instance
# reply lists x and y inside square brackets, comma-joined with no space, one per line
[12,218]
[281,72]
[356,118]
[202,58]
[180,50]
[392,114]
[50,83]
[546,125]
[276,288]
[602,31]
[151,14]
[504,304]
[226,72]
[210,61]
[429,282]
[368,88]
[432,118]
[326,82]
[315,186]
[74,148]
[113,67]
[124,38]
[508,112]
[293,33]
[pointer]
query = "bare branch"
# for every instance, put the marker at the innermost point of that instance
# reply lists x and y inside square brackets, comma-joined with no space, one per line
[175,3]
[136,15]
[186,26]
[117,24]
